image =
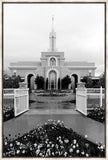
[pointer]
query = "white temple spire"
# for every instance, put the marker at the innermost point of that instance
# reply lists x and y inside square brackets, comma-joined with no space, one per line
[52,22]
[52,38]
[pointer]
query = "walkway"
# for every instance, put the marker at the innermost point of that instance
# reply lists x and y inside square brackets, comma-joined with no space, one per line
[71,118]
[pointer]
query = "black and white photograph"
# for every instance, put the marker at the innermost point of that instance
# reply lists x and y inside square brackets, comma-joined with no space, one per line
[54,70]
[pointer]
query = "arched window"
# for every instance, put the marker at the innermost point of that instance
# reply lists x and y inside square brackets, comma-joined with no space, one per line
[52,61]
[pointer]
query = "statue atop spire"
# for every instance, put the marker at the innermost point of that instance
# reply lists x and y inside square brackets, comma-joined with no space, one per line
[52,38]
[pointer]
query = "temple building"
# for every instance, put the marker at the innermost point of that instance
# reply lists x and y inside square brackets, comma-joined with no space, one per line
[52,66]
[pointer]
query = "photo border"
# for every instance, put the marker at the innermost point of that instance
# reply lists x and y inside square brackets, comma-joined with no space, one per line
[2,64]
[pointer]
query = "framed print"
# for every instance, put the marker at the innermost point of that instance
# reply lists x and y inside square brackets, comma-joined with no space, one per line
[53,79]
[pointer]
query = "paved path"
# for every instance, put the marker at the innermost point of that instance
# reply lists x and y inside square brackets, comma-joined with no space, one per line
[39,113]
[78,122]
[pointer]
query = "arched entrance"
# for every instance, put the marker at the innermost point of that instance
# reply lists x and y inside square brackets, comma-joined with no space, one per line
[74,79]
[30,81]
[52,80]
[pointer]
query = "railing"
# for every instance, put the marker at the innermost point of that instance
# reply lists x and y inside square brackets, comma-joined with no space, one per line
[8,91]
[95,90]
[95,95]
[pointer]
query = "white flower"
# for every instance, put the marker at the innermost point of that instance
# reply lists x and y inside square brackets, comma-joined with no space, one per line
[86,136]
[87,154]
[46,154]
[70,150]
[101,147]
[5,143]
[18,143]
[23,151]
[52,145]
[40,154]
[18,151]
[48,145]
[11,144]
[53,153]
[49,151]
[40,145]
[43,155]
[77,151]
[61,147]
[74,146]
[58,121]
[77,145]
[66,141]
[74,141]
[31,148]
[37,151]
[83,153]
[35,145]
[56,146]
[61,142]
[65,154]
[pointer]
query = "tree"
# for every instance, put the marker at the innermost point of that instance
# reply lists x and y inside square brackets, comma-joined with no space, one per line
[59,83]
[65,82]
[102,80]
[11,82]
[39,80]
[46,83]
[88,81]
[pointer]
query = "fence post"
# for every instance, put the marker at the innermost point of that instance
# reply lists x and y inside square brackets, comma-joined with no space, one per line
[15,102]
[101,96]
[27,98]
[86,101]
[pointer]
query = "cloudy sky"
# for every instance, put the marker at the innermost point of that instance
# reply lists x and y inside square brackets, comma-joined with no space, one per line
[79,31]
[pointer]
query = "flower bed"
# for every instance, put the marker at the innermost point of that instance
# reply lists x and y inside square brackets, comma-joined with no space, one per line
[53,94]
[8,112]
[52,139]
[97,114]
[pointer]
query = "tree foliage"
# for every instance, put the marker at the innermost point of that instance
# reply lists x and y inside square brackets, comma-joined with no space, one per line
[65,82]
[11,82]
[39,82]
[90,83]
[102,80]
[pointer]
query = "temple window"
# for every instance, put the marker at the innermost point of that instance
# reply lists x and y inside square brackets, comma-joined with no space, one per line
[53,62]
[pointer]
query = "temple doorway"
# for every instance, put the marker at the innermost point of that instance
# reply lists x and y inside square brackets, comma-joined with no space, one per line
[52,80]
[74,79]
[30,82]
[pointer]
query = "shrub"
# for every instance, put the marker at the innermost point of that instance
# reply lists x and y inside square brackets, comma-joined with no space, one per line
[8,113]
[97,114]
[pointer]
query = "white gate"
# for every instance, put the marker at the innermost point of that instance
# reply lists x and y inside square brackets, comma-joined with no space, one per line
[20,98]
[81,100]
[21,101]
[84,94]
